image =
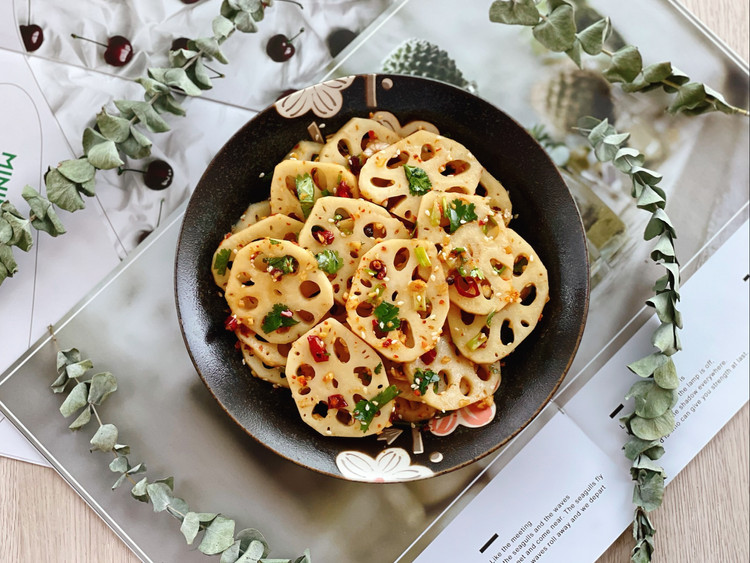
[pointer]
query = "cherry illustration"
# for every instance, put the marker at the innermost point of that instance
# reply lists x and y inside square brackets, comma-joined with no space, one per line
[118,50]
[157,175]
[280,47]
[32,36]
[338,39]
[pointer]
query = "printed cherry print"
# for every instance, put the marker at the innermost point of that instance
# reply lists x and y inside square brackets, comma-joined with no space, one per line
[117,52]
[157,175]
[280,47]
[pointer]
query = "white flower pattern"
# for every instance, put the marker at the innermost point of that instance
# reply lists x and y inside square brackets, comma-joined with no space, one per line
[324,99]
[390,466]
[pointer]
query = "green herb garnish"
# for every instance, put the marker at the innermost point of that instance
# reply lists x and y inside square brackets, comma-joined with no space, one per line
[365,410]
[283,263]
[280,316]
[329,261]
[459,213]
[305,192]
[422,380]
[422,258]
[387,316]
[221,262]
[378,368]
[488,321]
[419,182]
[477,341]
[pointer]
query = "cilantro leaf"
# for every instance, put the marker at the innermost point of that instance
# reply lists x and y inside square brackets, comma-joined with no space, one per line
[283,263]
[305,192]
[419,182]
[365,410]
[387,316]
[422,380]
[329,261]
[459,213]
[378,368]
[221,262]
[280,316]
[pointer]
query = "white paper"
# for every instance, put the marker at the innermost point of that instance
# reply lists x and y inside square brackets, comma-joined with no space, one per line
[560,499]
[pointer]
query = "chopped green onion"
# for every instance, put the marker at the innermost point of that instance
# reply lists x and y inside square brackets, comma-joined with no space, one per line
[488,322]
[422,258]
[499,270]
[477,341]
[476,273]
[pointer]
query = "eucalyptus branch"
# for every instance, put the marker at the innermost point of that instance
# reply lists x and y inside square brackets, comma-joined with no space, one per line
[557,31]
[120,134]
[655,394]
[84,397]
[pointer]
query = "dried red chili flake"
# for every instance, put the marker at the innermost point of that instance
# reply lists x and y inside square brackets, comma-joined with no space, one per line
[378,267]
[466,286]
[337,402]
[322,236]
[317,348]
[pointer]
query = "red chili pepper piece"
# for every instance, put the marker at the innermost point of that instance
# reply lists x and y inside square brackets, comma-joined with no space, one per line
[231,323]
[343,190]
[429,357]
[467,287]
[337,402]
[317,348]
[322,236]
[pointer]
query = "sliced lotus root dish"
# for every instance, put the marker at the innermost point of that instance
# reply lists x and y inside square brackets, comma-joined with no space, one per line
[393,123]
[399,298]
[304,150]
[475,251]
[273,355]
[355,142]
[276,226]
[261,370]
[254,213]
[276,290]
[340,230]
[487,338]
[499,198]
[449,381]
[408,406]
[338,382]
[297,184]
[397,177]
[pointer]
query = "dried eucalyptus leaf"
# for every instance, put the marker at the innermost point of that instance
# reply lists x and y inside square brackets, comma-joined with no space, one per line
[181,57]
[210,46]
[649,199]
[635,447]
[168,104]
[231,554]
[305,558]
[77,170]
[145,113]
[66,357]
[113,127]
[119,464]
[641,553]
[137,145]
[122,449]
[178,508]
[76,399]
[102,386]
[626,159]
[514,12]
[44,216]
[574,53]
[218,536]
[222,27]
[6,231]
[665,338]
[151,86]
[599,131]
[253,553]
[168,481]
[646,366]
[718,102]
[104,156]
[139,492]
[8,265]
[119,481]
[652,428]
[59,384]
[651,400]
[199,75]
[658,224]
[646,176]
[160,495]
[664,305]
[62,192]
[688,97]
[248,535]
[91,138]
[175,77]
[245,22]
[625,66]
[558,31]
[88,188]
[650,489]
[105,438]
[82,420]
[664,249]
[20,227]
[78,369]
[190,527]
[594,36]
[140,468]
